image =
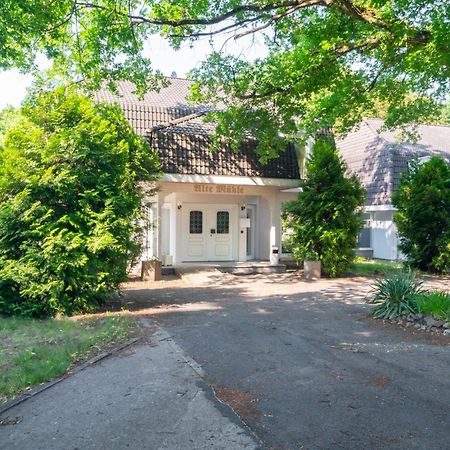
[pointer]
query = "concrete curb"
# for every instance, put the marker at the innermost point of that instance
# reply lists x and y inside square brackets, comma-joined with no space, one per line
[182,276]
[46,385]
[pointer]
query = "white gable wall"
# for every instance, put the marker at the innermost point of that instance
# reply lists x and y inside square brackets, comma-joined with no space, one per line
[384,235]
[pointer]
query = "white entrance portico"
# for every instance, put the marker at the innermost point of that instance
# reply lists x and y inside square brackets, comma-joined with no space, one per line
[217,219]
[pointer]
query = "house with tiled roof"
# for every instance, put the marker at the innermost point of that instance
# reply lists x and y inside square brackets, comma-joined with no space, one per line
[379,157]
[226,206]
[210,206]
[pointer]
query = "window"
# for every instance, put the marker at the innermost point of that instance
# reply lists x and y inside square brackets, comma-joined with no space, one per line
[364,239]
[223,222]
[196,222]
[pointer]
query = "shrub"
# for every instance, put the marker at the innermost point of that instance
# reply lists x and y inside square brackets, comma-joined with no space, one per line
[324,220]
[69,204]
[395,295]
[423,217]
[434,303]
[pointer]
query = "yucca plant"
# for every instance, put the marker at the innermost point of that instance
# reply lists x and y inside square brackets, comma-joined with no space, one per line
[395,295]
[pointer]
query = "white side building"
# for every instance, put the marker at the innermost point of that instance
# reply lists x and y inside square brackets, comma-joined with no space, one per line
[379,157]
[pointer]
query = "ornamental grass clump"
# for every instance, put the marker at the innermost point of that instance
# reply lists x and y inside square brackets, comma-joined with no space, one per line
[395,295]
[434,304]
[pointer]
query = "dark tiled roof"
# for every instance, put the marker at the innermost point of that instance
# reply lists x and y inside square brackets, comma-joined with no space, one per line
[145,118]
[190,154]
[379,157]
[177,131]
[431,138]
[175,95]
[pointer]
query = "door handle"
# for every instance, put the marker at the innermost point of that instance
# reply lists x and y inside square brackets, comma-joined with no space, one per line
[212,231]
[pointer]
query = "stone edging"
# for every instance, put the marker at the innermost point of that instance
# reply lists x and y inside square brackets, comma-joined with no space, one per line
[424,323]
[46,385]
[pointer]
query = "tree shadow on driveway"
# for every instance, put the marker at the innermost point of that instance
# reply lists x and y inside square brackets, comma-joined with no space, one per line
[317,370]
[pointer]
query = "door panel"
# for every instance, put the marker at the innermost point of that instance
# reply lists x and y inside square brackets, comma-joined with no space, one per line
[209,232]
[195,226]
[220,242]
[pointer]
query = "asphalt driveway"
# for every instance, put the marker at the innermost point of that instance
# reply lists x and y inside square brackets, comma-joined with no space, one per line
[300,363]
[304,366]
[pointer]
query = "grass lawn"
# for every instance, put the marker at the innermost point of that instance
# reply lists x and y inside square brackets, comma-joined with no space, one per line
[374,267]
[33,351]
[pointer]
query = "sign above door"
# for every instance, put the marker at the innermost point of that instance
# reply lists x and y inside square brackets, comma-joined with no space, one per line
[219,188]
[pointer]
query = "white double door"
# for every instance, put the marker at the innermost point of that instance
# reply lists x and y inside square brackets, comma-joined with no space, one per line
[209,231]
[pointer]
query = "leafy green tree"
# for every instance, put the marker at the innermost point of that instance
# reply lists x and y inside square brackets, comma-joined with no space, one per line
[445,114]
[328,62]
[423,217]
[70,200]
[324,220]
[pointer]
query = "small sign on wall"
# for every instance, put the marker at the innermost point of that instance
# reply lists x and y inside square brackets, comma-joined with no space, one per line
[245,223]
[219,188]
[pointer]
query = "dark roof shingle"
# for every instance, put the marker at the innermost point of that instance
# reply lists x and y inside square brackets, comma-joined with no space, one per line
[379,158]
[184,146]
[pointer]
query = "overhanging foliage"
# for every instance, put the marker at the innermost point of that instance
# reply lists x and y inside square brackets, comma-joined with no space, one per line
[329,62]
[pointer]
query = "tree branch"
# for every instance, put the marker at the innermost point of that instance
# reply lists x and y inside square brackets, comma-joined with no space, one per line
[363,14]
[338,52]
[67,19]
[372,84]
[277,17]
[218,31]
[207,21]
[417,36]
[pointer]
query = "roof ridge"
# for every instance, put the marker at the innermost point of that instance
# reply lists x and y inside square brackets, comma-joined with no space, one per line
[443,125]
[177,78]
[160,108]
[375,132]
[179,121]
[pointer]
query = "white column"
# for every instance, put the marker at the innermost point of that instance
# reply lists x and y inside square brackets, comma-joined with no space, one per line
[174,241]
[157,226]
[275,225]
[149,228]
[242,238]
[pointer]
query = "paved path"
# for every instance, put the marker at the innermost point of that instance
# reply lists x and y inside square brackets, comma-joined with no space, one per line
[305,367]
[150,396]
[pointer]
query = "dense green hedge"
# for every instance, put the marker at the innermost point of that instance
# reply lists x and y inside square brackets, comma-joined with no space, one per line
[423,217]
[70,202]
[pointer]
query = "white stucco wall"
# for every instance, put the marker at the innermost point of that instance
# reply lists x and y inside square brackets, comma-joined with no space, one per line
[173,196]
[384,235]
